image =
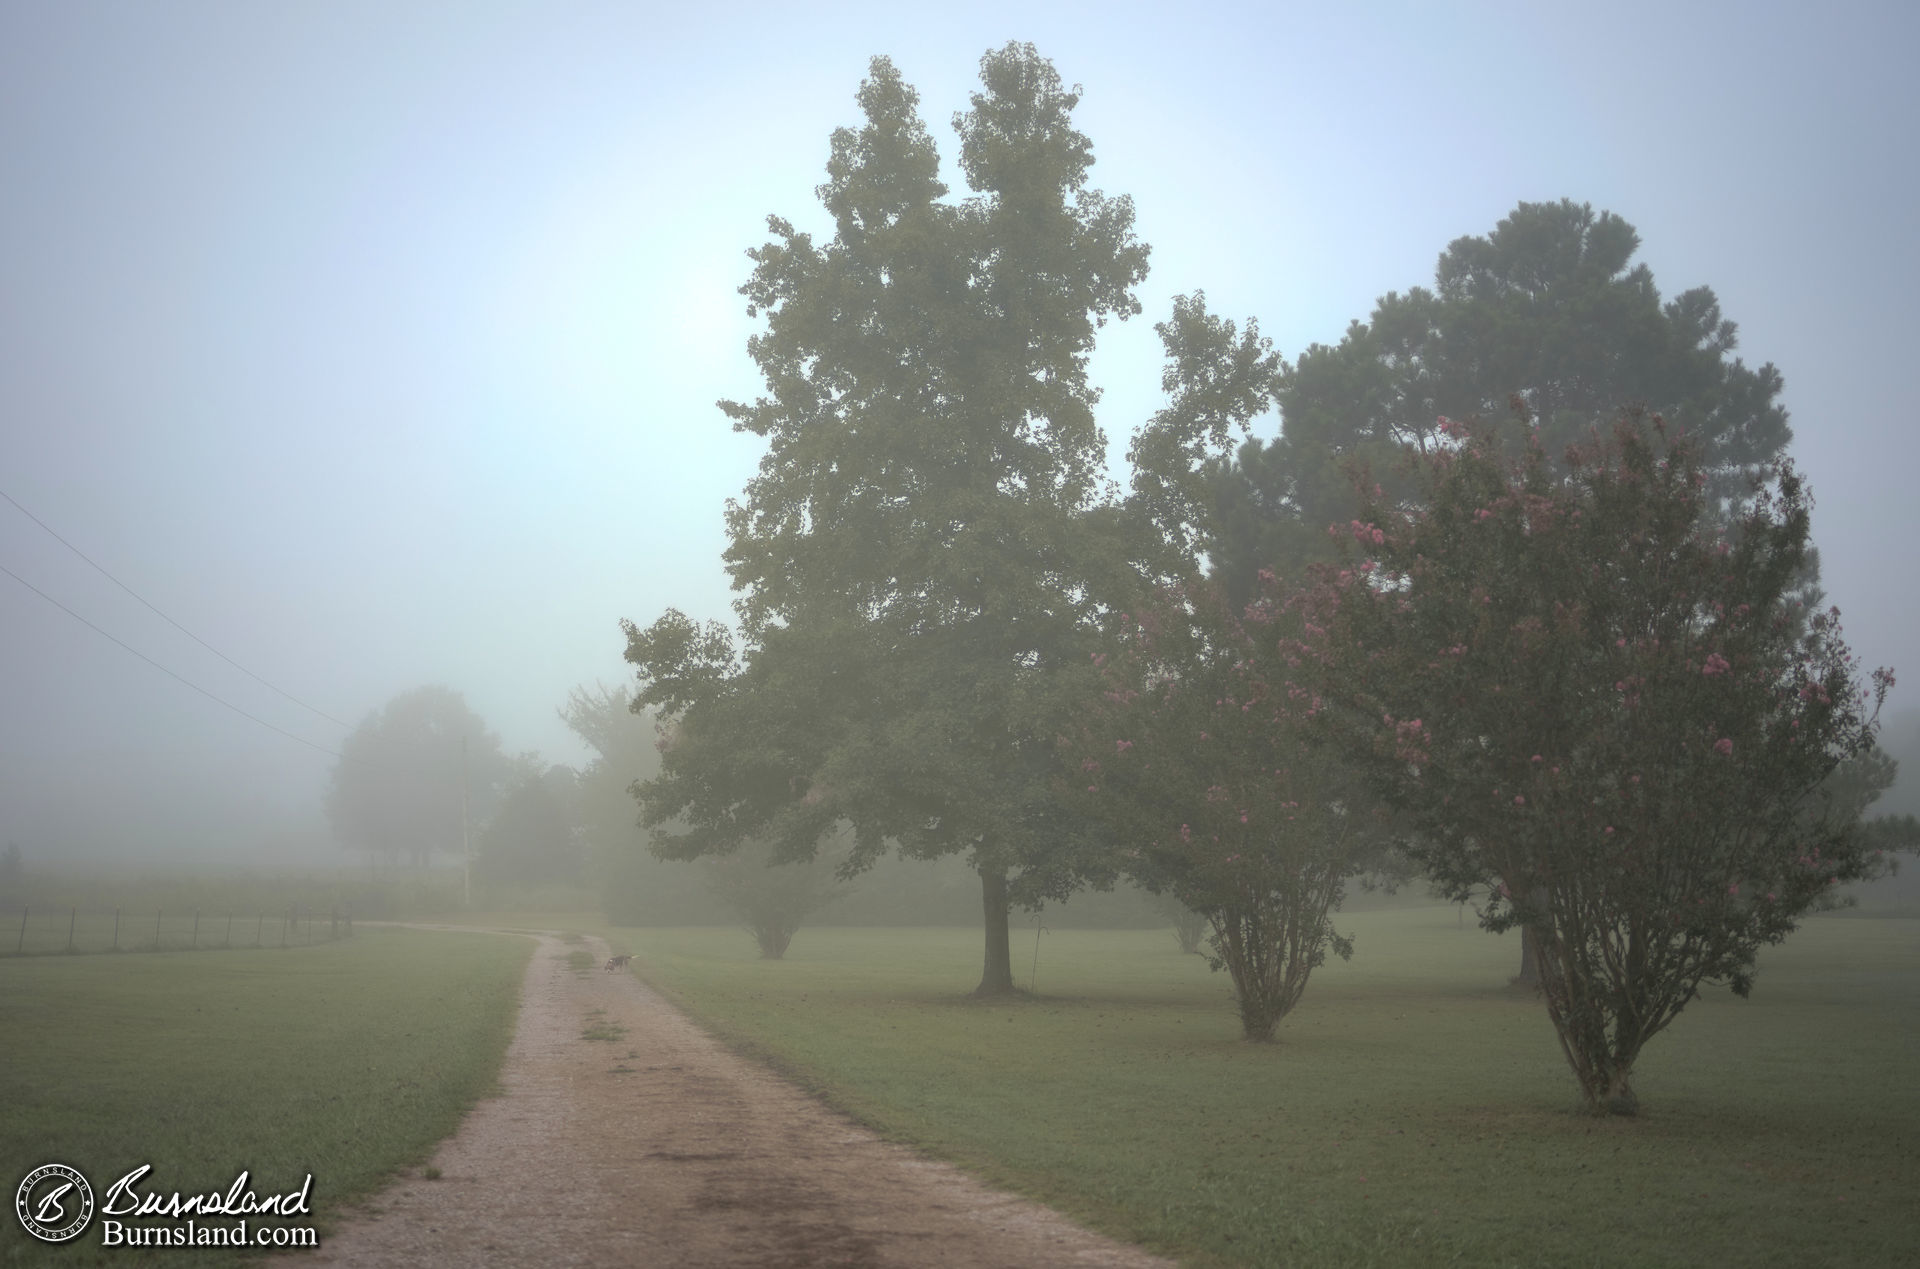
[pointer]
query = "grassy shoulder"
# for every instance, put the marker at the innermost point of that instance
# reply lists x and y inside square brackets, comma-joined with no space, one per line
[1414,1112]
[346,1060]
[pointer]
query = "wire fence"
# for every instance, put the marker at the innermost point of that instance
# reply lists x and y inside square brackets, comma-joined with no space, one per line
[45,930]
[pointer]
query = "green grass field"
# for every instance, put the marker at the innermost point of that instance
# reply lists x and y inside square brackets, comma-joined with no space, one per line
[1415,1112]
[349,1060]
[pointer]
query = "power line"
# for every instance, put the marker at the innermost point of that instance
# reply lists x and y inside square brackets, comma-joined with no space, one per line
[156,665]
[170,621]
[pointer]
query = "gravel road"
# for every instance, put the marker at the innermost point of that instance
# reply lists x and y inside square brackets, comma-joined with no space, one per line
[662,1148]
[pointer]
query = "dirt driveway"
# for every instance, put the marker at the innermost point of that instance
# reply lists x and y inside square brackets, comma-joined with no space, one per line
[661,1148]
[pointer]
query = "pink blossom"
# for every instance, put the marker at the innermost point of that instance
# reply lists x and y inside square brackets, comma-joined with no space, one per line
[1379,537]
[1619,643]
[1243,817]
[1520,801]
[1121,746]
[1716,664]
[1092,789]
[1734,888]
[1723,747]
[1608,830]
[1536,757]
[1099,659]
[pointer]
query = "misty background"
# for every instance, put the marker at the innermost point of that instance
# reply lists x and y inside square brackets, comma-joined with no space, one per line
[377,345]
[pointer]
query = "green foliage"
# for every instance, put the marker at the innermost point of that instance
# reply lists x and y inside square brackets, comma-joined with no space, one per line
[1218,379]
[769,898]
[396,791]
[635,886]
[927,543]
[1189,927]
[1548,308]
[1204,759]
[1594,696]
[532,838]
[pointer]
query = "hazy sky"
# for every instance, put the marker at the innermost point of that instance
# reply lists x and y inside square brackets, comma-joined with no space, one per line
[378,343]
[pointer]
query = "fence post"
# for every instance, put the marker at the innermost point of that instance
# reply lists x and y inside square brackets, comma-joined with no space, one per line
[24,909]
[116,929]
[72,916]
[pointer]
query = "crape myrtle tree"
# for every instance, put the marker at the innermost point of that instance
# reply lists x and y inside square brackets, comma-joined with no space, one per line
[770,899]
[1200,757]
[1550,307]
[1189,927]
[1604,702]
[1204,760]
[926,547]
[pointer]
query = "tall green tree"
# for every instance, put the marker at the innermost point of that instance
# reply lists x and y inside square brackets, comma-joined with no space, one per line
[397,789]
[534,836]
[928,540]
[635,887]
[1550,308]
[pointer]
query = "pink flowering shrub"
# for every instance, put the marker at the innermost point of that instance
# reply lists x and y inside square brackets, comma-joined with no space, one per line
[1628,721]
[1216,783]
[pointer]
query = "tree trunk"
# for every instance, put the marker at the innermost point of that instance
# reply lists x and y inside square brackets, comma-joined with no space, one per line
[996,978]
[1529,975]
[1620,1096]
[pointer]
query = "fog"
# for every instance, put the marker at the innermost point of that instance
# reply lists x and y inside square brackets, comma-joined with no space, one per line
[377,345]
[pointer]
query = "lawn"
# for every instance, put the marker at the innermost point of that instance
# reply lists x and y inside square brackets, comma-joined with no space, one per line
[1414,1112]
[348,1060]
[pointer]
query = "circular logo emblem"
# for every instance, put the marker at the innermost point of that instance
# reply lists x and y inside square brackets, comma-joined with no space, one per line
[54,1203]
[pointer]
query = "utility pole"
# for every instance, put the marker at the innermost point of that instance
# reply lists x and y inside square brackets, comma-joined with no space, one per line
[466,841]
